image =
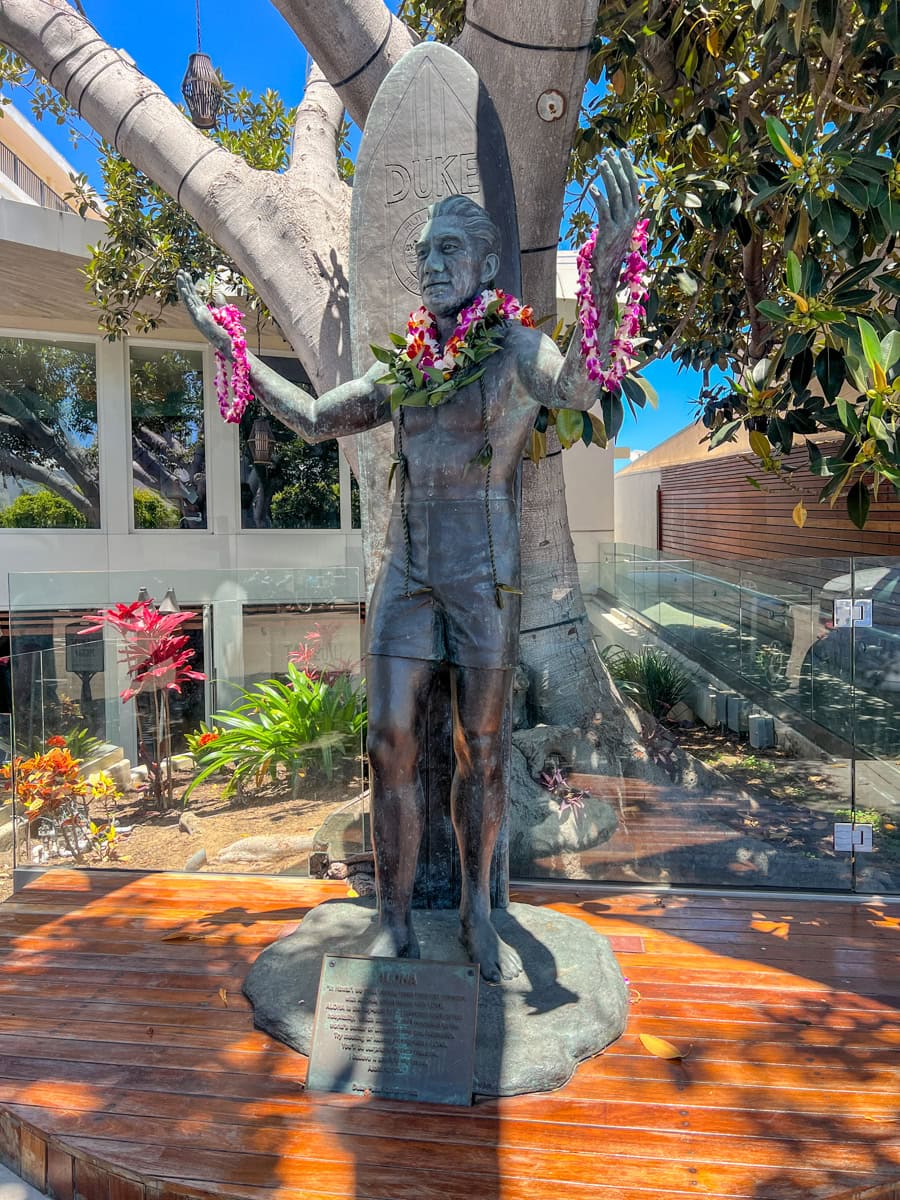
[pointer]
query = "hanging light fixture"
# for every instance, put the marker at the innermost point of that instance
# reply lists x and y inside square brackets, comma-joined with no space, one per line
[261,442]
[200,87]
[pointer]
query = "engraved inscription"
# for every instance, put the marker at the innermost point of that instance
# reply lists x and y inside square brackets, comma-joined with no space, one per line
[388,1028]
[432,178]
[403,250]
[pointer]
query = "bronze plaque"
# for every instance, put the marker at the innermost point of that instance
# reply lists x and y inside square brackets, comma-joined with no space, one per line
[395,1027]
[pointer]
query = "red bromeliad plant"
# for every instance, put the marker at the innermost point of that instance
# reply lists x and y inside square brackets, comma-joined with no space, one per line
[157,659]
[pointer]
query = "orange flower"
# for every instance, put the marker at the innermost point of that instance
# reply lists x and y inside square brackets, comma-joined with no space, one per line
[58,741]
[206,738]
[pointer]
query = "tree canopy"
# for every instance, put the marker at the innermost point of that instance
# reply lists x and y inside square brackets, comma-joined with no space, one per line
[767,134]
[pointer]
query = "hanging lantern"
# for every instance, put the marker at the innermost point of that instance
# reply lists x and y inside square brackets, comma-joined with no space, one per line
[261,442]
[201,88]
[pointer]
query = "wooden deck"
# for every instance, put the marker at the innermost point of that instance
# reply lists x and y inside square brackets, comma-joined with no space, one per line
[129,1069]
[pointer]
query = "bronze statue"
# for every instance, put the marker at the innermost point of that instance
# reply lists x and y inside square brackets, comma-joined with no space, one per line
[453,540]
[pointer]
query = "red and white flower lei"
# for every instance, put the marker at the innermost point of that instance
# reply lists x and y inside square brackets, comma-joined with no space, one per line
[634,280]
[233,399]
[423,345]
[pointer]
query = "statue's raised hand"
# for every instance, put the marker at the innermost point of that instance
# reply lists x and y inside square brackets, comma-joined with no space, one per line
[199,313]
[617,214]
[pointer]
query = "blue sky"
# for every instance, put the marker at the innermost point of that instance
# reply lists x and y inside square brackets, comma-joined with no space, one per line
[254,48]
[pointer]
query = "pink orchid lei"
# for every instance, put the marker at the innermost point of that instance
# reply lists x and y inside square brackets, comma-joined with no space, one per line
[232,321]
[634,279]
[423,347]
[422,374]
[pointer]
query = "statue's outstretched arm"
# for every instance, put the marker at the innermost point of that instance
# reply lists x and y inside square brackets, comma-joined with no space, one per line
[350,408]
[562,382]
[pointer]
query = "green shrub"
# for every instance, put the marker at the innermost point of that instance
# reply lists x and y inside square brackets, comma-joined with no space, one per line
[651,677]
[303,723]
[41,510]
[152,512]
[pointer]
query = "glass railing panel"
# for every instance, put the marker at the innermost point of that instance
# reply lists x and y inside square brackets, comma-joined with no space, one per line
[875,665]
[716,612]
[274,671]
[708,808]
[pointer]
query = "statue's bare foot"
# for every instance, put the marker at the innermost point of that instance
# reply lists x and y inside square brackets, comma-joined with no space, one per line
[485,946]
[393,939]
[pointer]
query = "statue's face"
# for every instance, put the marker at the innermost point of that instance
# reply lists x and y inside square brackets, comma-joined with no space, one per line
[452,266]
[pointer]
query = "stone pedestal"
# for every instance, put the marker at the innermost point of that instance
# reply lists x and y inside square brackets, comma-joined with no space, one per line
[569,1003]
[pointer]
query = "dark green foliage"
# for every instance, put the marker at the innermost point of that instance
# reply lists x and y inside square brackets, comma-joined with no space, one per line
[651,677]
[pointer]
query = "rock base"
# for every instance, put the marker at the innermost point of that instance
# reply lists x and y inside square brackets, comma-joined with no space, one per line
[569,1003]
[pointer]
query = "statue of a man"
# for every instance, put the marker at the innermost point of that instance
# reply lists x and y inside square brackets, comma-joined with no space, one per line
[453,539]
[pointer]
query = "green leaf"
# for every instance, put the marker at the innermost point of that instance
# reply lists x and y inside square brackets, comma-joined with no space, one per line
[889,283]
[859,501]
[793,271]
[853,193]
[382,355]
[830,371]
[613,412]
[836,221]
[847,415]
[870,344]
[569,426]
[816,461]
[760,445]
[725,433]
[772,311]
[781,140]
[890,349]
[587,432]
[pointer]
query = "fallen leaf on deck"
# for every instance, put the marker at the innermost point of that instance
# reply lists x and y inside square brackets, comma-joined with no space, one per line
[223,996]
[660,1047]
[352,893]
[779,929]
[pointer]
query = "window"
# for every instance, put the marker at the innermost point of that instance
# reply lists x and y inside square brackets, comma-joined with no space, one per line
[285,483]
[167,438]
[49,463]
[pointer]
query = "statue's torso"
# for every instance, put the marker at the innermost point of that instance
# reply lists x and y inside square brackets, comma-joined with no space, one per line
[454,530]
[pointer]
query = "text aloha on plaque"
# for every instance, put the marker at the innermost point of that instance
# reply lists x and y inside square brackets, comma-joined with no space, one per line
[399,1028]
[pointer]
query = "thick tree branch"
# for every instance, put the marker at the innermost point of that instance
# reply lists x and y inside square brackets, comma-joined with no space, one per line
[10,464]
[316,130]
[355,42]
[537,93]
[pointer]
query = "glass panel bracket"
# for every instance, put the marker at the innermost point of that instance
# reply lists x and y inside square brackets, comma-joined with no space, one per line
[850,836]
[849,613]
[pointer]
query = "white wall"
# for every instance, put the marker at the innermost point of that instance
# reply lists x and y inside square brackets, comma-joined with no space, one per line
[635,507]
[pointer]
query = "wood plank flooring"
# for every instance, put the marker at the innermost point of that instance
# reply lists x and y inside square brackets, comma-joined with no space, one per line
[129,1068]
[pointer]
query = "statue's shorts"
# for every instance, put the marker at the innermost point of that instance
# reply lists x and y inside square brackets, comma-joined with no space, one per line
[448,611]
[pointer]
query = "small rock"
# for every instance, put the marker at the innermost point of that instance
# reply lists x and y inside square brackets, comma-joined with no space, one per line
[188,822]
[680,714]
[264,849]
[140,773]
[182,762]
[196,861]
[337,870]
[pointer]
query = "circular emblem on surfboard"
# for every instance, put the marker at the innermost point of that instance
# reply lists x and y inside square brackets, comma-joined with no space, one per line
[403,250]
